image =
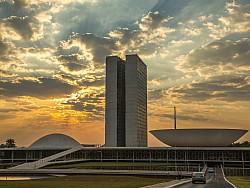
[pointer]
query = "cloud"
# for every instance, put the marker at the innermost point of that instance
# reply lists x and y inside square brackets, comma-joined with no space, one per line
[27,62]
[26,26]
[3,48]
[97,47]
[92,82]
[8,53]
[126,37]
[217,30]
[195,31]
[19,4]
[144,40]
[234,20]
[152,21]
[43,88]
[193,117]
[156,94]
[238,17]
[175,43]
[153,27]
[23,20]
[73,62]
[227,88]
[89,101]
[217,57]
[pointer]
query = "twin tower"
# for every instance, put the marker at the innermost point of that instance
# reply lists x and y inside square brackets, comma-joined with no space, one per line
[126,102]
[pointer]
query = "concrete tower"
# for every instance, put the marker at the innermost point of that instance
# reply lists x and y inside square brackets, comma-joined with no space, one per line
[126,102]
[115,102]
[136,102]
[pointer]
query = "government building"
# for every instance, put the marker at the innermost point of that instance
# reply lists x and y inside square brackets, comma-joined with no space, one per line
[126,102]
[126,134]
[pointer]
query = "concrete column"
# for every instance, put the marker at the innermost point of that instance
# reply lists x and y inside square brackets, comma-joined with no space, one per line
[243,163]
[26,156]
[12,156]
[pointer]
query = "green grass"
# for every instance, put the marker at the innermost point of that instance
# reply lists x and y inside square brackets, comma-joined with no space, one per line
[83,181]
[240,181]
[110,164]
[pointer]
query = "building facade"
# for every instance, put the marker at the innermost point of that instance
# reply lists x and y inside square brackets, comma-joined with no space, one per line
[235,160]
[115,102]
[136,102]
[126,102]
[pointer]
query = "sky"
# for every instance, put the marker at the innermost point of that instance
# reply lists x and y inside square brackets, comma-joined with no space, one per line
[52,64]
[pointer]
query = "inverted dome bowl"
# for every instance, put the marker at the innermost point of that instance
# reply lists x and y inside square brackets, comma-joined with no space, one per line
[198,137]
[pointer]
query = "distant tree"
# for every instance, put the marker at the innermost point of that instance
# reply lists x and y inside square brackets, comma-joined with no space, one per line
[245,144]
[10,143]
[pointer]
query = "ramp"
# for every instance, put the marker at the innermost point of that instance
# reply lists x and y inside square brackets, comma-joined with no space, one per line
[45,161]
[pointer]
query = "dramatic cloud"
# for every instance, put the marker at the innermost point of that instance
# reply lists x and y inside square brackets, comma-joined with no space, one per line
[89,101]
[217,57]
[3,48]
[23,26]
[155,94]
[153,21]
[144,40]
[8,53]
[227,88]
[73,62]
[95,48]
[238,17]
[43,89]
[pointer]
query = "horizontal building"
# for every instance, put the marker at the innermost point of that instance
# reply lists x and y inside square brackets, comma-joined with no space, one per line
[231,158]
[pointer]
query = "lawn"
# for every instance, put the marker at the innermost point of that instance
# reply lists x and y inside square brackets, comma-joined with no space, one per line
[83,181]
[111,164]
[240,181]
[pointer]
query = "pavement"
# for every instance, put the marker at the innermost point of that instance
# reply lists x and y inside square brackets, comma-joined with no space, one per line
[214,180]
[90,171]
[168,184]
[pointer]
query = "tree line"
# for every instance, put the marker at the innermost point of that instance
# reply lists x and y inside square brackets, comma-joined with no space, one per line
[9,143]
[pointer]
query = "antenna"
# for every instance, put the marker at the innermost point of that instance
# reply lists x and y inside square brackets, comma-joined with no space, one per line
[174,117]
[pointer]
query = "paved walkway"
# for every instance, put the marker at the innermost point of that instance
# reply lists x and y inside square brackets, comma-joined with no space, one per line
[167,184]
[89,171]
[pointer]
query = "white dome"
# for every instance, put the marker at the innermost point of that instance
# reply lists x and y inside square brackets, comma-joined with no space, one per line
[55,141]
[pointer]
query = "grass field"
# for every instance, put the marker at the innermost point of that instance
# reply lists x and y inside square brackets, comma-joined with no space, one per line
[83,182]
[240,181]
[112,164]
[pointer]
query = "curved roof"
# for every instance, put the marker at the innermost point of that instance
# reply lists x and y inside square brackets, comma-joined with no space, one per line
[198,137]
[55,141]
